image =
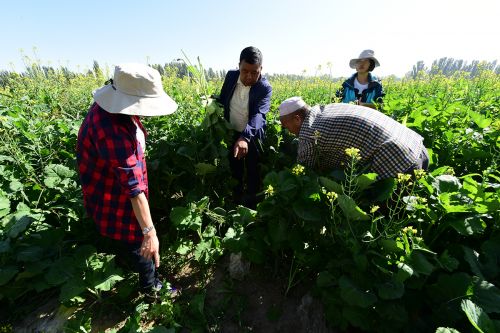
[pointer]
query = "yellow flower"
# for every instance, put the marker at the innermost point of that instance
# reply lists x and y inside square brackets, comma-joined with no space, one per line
[403,178]
[410,230]
[298,170]
[331,196]
[316,136]
[269,191]
[419,173]
[374,209]
[353,152]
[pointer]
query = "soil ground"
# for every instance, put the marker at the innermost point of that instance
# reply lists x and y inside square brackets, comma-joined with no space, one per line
[256,303]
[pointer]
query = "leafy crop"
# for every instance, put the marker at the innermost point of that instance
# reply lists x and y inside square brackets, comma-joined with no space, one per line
[414,253]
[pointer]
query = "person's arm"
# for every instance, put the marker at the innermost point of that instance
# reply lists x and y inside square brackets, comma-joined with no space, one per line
[150,248]
[306,153]
[378,98]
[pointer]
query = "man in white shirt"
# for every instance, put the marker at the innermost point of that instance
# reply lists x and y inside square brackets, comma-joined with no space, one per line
[246,96]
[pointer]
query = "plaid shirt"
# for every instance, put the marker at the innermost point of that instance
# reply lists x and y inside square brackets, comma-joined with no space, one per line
[386,146]
[112,170]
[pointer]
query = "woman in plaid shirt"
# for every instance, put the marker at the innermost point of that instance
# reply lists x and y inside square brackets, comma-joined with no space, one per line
[112,166]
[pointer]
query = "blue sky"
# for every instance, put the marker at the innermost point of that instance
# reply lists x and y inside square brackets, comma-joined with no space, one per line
[293,35]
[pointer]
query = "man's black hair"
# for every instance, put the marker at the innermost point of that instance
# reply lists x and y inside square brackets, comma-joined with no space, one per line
[251,55]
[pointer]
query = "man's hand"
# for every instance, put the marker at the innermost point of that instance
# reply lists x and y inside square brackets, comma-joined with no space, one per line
[240,148]
[150,248]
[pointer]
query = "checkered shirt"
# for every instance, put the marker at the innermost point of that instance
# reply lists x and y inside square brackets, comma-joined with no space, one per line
[386,146]
[112,170]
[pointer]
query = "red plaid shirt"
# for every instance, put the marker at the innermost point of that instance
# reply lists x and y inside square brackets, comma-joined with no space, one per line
[112,170]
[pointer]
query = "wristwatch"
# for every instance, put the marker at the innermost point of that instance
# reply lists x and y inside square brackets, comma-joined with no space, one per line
[147,229]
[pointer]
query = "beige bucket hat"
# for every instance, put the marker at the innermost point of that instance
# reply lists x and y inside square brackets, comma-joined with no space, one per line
[135,89]
[366,54]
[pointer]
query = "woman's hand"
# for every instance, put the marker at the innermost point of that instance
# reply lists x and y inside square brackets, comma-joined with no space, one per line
[150,248]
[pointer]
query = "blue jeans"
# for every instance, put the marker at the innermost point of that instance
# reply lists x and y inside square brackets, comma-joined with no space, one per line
[128,255]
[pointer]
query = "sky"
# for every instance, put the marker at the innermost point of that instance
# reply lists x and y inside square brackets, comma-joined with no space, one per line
[295,37]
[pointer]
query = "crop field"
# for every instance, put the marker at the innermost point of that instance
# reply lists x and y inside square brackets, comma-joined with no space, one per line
[415,254]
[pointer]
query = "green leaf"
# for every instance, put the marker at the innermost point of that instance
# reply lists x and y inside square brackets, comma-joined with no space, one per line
[60,271]
[184,247]
[479,119]
[451,205]
[468,225]
[477,317]
[486,295]
[446,183]
[304,211]
[72,288]
[108,282]
[404,272]
[161,329]
[351,209]
[385,188]
[325,279]
[202,169]
[355,296]
[30,253]
[4,206]
[446,330]
[7,273]
[391,245]
[448,262]
[392,289]
[5,246]
[20,222]
[331,185]
[365,180]
[420,263]
[183,218]
[55,174]
[33,268]
[357,317]
[15,185]
[472,257]
[244,215]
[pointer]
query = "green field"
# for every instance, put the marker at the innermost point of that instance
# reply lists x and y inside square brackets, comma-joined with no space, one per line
[429,263]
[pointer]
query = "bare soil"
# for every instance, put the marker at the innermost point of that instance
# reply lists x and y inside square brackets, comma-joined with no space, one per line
[256,303]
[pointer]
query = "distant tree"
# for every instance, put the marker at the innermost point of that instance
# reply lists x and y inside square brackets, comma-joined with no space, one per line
[159,68]
[449,66]
[211,74]
[97,69]
[417,68]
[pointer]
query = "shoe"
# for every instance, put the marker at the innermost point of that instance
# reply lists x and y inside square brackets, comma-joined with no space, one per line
[154,293]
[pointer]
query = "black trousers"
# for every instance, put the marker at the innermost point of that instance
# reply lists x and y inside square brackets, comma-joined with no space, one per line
[246,173]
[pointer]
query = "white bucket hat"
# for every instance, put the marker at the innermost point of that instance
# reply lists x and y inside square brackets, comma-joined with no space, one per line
[366,54]
[136,90]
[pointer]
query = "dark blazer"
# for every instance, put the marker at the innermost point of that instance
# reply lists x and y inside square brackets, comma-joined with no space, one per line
[259,101]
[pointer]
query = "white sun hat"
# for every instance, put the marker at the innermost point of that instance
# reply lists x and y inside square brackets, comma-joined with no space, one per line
[291,105]
[135,89]
[366,54]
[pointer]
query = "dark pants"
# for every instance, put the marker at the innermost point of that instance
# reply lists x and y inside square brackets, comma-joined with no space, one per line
[128,255]
[245,191]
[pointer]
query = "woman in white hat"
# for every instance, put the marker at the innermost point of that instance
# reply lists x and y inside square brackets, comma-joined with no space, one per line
[362,87]
[112,166]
